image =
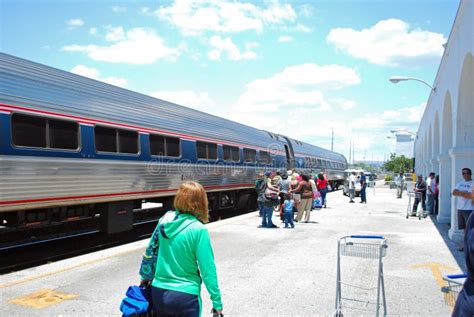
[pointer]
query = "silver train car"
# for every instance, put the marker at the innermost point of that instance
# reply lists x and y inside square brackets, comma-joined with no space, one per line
[73,148]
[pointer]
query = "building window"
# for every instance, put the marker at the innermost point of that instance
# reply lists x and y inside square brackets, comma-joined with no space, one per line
[115,140]
[264,157]
[207,151]
[33,131]
[164,146]
[231,153]
[250,156]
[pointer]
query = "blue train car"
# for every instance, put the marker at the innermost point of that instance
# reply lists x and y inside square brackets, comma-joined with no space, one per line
[73,147]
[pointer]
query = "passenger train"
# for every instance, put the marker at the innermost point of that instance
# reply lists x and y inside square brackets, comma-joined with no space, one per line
[73,148]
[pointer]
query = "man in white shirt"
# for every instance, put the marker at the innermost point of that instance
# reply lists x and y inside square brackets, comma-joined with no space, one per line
[352,180]
[399,182]
[463,192]
[430,188]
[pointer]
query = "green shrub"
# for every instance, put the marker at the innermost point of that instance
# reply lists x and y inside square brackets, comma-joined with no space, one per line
[388,178]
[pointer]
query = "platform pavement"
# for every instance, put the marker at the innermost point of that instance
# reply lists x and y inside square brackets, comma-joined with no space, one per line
[267,272]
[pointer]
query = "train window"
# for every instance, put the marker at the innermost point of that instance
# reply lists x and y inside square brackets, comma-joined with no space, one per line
[231,153]
[320,164]
[172,147]
[157,145]
[63,134]
[128,141]
[44,132]
[28,130]
[206,150]
[264,157]
[250,156]
[105,139]
[164,146]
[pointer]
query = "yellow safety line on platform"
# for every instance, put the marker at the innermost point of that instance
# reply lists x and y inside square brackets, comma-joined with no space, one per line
[211,226]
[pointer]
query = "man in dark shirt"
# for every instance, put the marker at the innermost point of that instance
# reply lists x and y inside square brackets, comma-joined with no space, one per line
[465,302]
[363,186]
[420,192]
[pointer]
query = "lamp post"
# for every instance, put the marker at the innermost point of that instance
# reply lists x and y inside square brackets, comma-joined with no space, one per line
[397,79]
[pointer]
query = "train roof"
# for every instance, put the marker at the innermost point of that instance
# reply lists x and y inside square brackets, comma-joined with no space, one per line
[60,91]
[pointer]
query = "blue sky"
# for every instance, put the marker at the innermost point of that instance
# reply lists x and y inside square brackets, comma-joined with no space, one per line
[299,68]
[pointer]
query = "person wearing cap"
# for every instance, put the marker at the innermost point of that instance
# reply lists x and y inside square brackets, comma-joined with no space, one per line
[267,206]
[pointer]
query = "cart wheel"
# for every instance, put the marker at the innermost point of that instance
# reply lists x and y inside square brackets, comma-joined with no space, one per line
[419,217]
[407,216]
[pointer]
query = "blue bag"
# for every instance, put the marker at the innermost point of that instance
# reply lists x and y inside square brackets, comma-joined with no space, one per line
[317,203]
[137,301]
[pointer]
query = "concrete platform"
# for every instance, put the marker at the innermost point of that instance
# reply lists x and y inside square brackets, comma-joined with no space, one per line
[266,272]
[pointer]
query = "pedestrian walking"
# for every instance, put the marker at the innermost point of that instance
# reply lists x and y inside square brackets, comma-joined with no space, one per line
[322,185]
[399,183]
[363,186]
[179,257]
[430,188]
[463,193]
[352,180]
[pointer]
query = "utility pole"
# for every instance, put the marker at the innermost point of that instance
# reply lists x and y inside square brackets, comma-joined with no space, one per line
[350,151]
[353,153]
[332,139]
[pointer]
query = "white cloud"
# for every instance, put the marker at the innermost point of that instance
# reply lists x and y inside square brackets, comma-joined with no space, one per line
[93,73]
[226,45]
[389,42]
[118,9]
[285,38]
[93,31]
[296,86]
[75,22]
[344,104]
[115,34]
[302,28]
[197,100]
[193,17]
[139,46]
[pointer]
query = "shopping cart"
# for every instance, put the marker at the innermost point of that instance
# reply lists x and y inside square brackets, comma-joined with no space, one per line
[362,246]
[419,212]
[451,291]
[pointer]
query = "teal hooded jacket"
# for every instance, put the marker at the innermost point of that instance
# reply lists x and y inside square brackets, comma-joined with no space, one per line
[185,257]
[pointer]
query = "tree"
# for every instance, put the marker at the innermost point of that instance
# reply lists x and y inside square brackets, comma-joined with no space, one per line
[398,164]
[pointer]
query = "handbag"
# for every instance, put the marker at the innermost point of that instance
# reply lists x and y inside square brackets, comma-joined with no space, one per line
[150,257]
[271,194]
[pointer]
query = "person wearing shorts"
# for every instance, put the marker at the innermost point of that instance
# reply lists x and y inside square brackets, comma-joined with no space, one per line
[465,204]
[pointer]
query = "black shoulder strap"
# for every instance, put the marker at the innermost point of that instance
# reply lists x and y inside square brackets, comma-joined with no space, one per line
[162,231]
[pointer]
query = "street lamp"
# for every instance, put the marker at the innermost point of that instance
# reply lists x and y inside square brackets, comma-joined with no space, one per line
[397,79]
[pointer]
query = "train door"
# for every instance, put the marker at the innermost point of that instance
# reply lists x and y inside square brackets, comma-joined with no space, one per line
[290,155]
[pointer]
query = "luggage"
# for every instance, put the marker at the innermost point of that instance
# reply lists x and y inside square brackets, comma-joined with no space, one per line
[317,203]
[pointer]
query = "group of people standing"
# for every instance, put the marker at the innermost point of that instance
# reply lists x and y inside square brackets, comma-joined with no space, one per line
[426,192]
[290,191]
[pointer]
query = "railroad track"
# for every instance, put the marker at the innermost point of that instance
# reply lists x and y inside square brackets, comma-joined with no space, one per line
[33,252]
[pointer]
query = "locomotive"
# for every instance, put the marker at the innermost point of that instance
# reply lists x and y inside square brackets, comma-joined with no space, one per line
[73,148]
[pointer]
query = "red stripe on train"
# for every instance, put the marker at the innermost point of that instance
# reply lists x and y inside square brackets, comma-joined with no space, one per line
[83,120]
[25,201]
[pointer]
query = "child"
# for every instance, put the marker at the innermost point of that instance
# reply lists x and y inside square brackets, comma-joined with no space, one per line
[287,207]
